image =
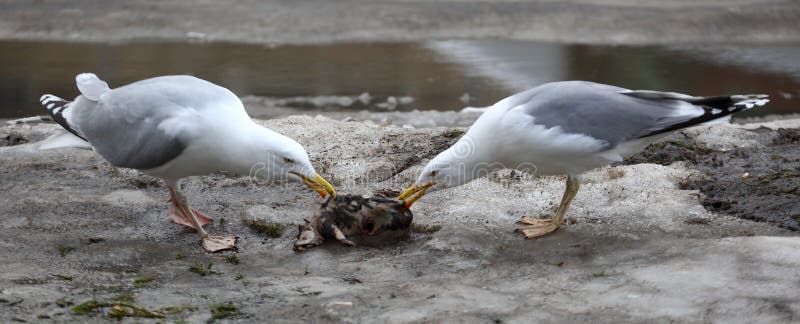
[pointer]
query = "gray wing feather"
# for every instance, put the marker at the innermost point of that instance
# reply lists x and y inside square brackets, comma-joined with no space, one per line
[659,95]
[608,113]
[123,126]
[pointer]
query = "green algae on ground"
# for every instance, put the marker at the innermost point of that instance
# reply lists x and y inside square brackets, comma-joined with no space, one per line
[125,297]
[203,270]
[219,311]
[122,306]
[239,277]
[119,309]
[273,230]
[178,309]
[65,249]
[232,259]
[143,281]
[453,133]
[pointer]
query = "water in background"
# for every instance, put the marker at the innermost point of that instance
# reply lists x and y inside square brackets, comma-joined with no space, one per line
[445,75]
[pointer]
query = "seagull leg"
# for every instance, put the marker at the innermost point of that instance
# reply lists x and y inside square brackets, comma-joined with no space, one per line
[539,227]
[210,243]
[177,215]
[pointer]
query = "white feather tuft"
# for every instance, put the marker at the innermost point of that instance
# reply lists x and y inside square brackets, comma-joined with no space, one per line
[91,86]
[63,139]
[722,120]
[750,101]
[754,102]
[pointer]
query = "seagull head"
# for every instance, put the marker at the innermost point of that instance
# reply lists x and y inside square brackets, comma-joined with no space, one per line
[451,168]
[291,161]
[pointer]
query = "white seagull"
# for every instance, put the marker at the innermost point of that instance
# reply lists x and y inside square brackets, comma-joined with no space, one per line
[174,127]
[568,128]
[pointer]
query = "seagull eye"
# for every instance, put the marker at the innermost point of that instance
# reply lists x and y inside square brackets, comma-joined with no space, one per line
[434,173]
[288,160]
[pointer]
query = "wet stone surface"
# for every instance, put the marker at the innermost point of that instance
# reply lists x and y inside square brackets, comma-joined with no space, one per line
[79,238]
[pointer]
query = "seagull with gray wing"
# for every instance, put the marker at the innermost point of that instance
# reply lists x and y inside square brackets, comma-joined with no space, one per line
[173,127]
[568,128]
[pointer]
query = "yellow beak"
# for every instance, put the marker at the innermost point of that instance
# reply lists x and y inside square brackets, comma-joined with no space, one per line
[414,192]
[318,184]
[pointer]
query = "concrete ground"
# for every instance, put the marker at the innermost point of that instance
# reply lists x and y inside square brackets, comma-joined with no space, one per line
[637,249]
[284,22]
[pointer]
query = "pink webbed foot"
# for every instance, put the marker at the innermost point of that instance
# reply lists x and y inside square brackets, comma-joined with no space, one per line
[536,227]
[178,217]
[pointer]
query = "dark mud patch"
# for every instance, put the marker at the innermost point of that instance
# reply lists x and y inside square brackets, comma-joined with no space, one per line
[440,143]
[13,139]
[760,183]
[665,153]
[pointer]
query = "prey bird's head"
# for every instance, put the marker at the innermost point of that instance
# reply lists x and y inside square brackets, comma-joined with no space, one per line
[385,215]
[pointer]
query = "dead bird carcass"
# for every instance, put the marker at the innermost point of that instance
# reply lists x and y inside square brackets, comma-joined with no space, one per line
[346,215]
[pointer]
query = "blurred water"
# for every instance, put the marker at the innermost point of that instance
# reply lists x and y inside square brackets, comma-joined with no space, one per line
[436,75]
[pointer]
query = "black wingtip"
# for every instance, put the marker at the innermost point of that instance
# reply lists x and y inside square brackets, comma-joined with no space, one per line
[716,108]
[56,107]
[733,103]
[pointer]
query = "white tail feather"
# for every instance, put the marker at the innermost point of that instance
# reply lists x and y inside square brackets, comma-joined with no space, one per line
[750,101]
[63,139]
[91,86]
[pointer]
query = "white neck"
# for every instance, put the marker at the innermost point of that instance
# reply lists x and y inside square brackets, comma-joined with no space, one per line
[476,160]
[251,152]
[469,160]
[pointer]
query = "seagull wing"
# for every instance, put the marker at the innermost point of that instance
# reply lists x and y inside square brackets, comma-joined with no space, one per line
[148,123]
[613,115]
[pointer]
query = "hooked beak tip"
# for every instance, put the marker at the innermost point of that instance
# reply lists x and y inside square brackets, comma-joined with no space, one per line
[329,190]
[413,193]
[318,184]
